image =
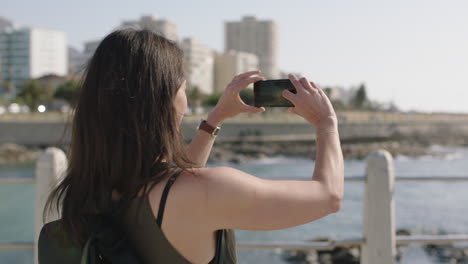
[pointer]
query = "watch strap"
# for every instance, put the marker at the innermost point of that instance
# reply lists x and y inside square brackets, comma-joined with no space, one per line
[214,131]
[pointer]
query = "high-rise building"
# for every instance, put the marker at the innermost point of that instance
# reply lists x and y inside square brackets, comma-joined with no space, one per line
[76,61]
[162,26]
[230,64]
[259,37]
[89,48]
[198,65]
[31,52]
[4,23]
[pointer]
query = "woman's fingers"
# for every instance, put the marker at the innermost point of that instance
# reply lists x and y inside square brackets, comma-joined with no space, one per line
[314,85]
[230,104]
[246,74]
[241,84]
[317,87]
[306,84]
[253,109]
[297,84]
[289,95]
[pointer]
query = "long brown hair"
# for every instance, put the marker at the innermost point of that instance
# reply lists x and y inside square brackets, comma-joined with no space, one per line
[125,130]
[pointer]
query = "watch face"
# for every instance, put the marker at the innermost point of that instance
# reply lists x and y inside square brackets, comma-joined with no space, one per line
[216,131]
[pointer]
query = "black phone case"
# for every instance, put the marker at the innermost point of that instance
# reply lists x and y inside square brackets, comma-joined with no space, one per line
[262,98]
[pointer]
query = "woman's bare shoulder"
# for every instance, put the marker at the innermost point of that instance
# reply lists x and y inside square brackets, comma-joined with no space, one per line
[192,185]
[198,181]
[219,175]
[198,185]
[231,198]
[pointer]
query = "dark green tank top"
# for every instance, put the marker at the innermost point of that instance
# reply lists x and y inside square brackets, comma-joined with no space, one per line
[144,232]
[141,229]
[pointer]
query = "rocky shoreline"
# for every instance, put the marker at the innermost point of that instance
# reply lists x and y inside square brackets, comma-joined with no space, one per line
[449,253]
[12,153]
[240,152]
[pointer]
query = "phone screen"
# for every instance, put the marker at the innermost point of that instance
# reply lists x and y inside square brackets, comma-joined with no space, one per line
[269,93]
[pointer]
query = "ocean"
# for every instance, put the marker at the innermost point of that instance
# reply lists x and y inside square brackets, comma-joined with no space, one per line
[427,207]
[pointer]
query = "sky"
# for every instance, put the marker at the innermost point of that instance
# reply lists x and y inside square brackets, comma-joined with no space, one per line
[413,53]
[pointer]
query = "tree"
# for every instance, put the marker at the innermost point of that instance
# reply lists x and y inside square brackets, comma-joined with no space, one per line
[195,97]
[34,93]
[338,105]
[8,91]
[9,86]
[328,91]
[212,99]
[392,107]
[360,98]
[68,91]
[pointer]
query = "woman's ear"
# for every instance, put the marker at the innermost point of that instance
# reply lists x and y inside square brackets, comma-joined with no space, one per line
[183,84]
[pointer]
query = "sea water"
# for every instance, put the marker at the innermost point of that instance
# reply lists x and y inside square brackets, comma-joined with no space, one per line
[423,207]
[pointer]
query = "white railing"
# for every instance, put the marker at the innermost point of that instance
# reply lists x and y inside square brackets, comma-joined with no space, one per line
[378,243]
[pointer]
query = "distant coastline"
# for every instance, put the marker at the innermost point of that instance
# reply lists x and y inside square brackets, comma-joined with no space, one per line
[240,152]
[248,136]
[243,152]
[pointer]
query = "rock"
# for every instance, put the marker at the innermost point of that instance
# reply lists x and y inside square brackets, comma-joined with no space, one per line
[339,255]
[344,256]
[296,256]
[313,257]
[229,151]
[447,253]
[12,148]
[236,160]
[403,232]
[13,153]
[325,258]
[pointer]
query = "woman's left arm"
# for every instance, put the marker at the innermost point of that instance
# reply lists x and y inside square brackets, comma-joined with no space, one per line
[201,144]
[229,105]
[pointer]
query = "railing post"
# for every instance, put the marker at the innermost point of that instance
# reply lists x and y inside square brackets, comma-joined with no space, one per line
[50,166]
[379,210]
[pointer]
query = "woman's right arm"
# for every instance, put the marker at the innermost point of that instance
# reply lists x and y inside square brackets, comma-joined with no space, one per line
[237,200]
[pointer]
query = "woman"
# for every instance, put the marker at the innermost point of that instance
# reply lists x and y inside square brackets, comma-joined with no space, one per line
[127,146]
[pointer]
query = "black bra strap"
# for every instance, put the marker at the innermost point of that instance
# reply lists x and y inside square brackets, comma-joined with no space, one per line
[162,203]
[220,246]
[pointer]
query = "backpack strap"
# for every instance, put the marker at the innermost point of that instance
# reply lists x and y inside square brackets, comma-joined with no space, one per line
[85,254]
[162,203]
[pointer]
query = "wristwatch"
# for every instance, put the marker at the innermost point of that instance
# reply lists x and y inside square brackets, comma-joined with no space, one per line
[213,131]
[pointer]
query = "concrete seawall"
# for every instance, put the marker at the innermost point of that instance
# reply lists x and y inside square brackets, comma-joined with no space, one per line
[34,134]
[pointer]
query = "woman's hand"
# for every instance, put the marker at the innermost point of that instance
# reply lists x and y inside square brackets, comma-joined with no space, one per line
[310,102]
[230,103]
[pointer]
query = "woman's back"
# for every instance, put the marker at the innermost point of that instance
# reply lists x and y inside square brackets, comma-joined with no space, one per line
[182,237]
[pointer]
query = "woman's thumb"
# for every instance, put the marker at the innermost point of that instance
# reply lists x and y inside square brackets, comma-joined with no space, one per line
[253,109]
[292,110]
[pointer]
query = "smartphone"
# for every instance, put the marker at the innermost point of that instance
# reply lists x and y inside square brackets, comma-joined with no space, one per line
[268,93]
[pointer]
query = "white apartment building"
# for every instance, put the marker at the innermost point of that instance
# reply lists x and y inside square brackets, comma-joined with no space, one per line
[230,64]
[198,65]
[341,94]
[259,37]
[31,52]
[162,26]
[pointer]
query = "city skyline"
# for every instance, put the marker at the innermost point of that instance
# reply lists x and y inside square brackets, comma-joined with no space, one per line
[413,53]
[253,35]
